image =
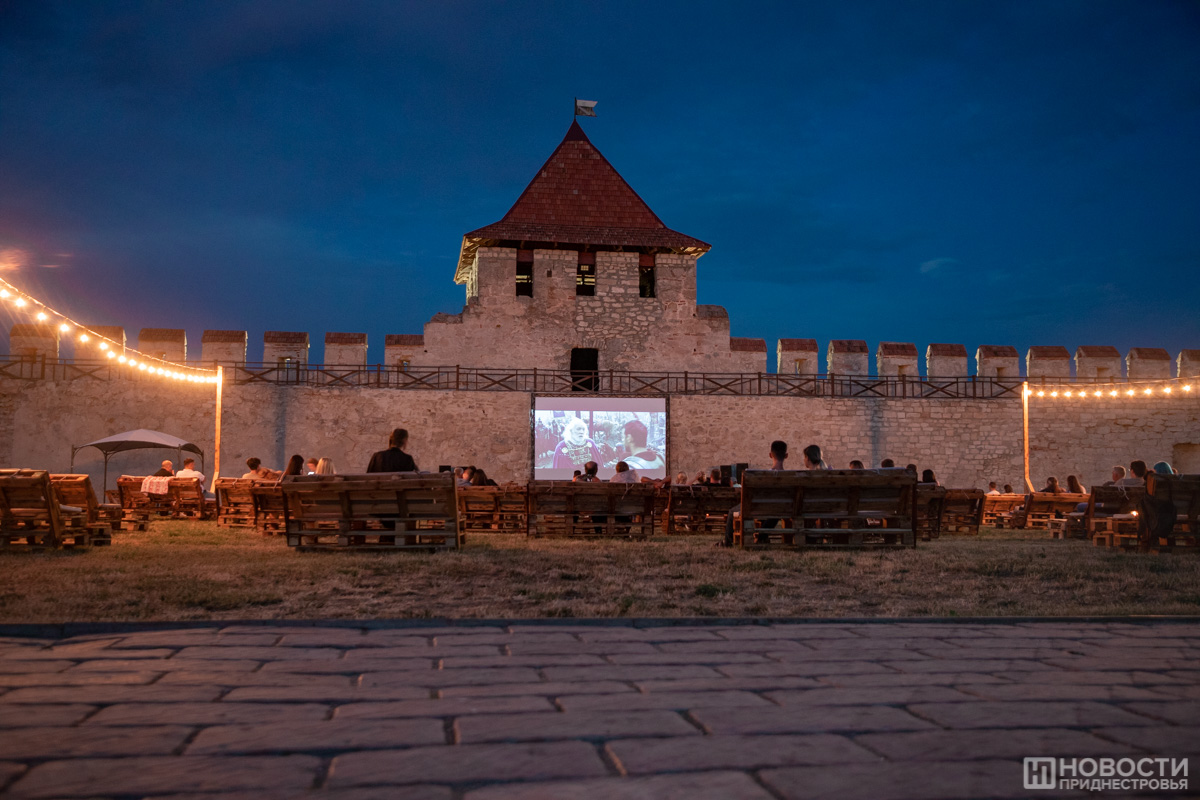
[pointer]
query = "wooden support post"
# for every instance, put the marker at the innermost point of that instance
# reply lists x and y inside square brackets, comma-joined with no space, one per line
[217,432]
[1025,430]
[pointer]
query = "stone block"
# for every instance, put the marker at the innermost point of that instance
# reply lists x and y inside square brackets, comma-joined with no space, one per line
[679,754]
[402,350]
[847,357]
[1148,364]
[896,359]
[706,785]
[165,344]
[997,361]
[33,341]
[346,349]
[573,725]
[280,347]
[1097,361]
[1028,714]
[1188,364]
[797,357]
[946,361]
[223,347]
[1048,362]
[223,713]
[468,763]
[817,719]
[335,734]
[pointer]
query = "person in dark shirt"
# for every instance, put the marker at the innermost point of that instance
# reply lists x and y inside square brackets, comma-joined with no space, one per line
[166,471]
[394,459]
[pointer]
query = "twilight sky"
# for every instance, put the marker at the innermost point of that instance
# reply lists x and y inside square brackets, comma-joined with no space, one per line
[985,173]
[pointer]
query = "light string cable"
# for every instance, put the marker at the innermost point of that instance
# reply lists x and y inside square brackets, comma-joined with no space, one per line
[150,365]
[1163,388]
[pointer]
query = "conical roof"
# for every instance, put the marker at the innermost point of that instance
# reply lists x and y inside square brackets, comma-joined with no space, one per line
[578,198]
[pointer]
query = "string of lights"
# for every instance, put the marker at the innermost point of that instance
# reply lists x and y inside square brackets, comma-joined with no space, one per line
[107,348]
[1113,391]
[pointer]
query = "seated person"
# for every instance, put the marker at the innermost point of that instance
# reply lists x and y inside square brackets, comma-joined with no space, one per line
[992,488]
[258,472]
[928,477]
[681,479]
[623,474]
[589,473]
[1052,486]
[189,470]
[1118,474]
[1138,476]
[1008,489]
[166,470]
[1074,486]
[325,467]
[812,458]
[779,454]
[856,464]
[310,466]
[887,463]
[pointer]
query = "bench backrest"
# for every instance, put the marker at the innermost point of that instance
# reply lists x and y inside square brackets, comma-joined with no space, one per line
[234,492]
[76,490]
[186,492]
[809,496]
[568,508]
[1183,491]
[697,500]
[26,495]
[401,497]
[130,489]
[963,503]
[1109,500]
[1047,503]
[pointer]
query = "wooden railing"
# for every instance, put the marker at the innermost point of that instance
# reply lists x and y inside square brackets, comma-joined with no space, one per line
[538,381]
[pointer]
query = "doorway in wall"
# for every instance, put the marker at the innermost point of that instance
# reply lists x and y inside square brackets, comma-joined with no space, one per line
[585,369]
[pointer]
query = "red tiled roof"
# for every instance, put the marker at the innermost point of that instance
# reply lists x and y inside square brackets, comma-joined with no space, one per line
[1149,354]
[897,349]
[1049,351]
[997,351]
[1190,355]
[798,345]
[577,197]
[946,350]
[285,337]
[345,338]
[162,335]
[744,345]
[404,340]
[1097,351]
[848,346]
[237,337]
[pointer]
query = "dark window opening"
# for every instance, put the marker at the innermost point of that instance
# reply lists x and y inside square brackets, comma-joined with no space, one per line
[585,275]
[585,369]
[525,278]
[646,275]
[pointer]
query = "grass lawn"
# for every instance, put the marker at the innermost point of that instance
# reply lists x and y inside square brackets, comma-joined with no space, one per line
[196,570]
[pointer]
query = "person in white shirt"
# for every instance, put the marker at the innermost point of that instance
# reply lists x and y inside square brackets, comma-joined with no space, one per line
[992,488]
[188,470]
[623,474]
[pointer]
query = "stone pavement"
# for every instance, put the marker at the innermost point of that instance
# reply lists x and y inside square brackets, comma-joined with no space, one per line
[875,710]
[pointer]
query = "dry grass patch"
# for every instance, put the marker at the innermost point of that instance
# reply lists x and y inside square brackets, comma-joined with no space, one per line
[195,570]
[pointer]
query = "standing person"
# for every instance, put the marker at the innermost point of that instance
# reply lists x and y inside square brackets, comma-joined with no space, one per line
[779,454]
[295,466]
[681,479]
[394,459]
[165,471]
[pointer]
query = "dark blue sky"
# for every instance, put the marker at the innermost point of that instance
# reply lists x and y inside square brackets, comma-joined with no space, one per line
[1003,173]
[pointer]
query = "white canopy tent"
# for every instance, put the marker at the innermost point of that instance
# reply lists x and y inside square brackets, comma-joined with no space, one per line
[140,439]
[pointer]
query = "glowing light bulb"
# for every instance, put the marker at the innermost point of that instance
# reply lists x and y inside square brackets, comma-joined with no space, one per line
[1054,394]
[1068,394]
[122,359]
[19,302]
[1041,394]
[41,316]
[1028,392]
[1113,393]
[1099,393]
[111,354]
[104,345]
[142,367]
[83,337]
[3,292]
[1166,390]
[1129,392]
[1187,388]
[1148,391]
[64,327]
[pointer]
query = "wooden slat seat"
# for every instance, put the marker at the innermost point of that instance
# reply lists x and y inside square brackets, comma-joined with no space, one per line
[379,511]
[1182,493]
[267,497]
[999,509]
[591,510]
[928,514]
[827,508]
[137,507]
[188,500]
[492,509]
[1042,507]
[31,514]
[235,503]
[962,511]
[1110,510]
[699,509]
[76,491]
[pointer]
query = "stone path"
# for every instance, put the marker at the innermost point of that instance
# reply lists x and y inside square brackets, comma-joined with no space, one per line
[492,712]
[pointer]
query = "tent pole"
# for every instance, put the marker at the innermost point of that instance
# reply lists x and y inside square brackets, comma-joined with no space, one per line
[105,472]
[217,431]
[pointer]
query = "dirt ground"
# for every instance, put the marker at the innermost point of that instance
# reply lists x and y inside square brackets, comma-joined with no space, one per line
[196,571]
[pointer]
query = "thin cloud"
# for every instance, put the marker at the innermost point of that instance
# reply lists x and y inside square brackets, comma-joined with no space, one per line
[936,264]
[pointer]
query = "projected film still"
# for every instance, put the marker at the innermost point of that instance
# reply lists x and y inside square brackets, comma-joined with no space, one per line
[568,432]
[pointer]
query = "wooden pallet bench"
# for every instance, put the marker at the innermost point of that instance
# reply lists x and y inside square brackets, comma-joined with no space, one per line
[962,511]
[999,509]
[699,509]
[33,516]
[827,509]
[492,509]
[559,509]
[1165,494]
[235,503]
[77,491]
[188,500]
[380,511]
[1043,507]
[138,507]
[267,498]
[928,514]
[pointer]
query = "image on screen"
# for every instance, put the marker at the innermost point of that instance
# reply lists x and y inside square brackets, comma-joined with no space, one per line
[568,432]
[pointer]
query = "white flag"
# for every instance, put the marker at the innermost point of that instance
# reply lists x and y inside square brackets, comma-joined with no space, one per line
[585,108]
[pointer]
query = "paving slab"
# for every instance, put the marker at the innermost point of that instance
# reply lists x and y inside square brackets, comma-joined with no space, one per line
[632,709]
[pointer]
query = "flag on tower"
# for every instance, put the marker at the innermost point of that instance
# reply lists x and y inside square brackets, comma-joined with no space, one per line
[585,108]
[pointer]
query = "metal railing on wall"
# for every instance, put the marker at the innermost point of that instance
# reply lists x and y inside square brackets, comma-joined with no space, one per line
[605,382]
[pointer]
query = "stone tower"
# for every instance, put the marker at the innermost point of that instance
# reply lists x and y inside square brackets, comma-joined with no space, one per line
[581,274]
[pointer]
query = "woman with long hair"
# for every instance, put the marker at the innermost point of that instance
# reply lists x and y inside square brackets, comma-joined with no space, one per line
[325,467]
[295,466]
[1074,486]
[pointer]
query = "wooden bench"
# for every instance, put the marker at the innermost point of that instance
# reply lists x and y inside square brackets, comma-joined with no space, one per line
[379,511]
[999,509]
[492,509]
[699,509]
[1111,509]
[137,507]
[268,507]
[962,511]
[77,491]
[1042,507]
[591,510]
[32,515]
[928,514]
[1178,492]
[235,503]
[188,500]
[827,508]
